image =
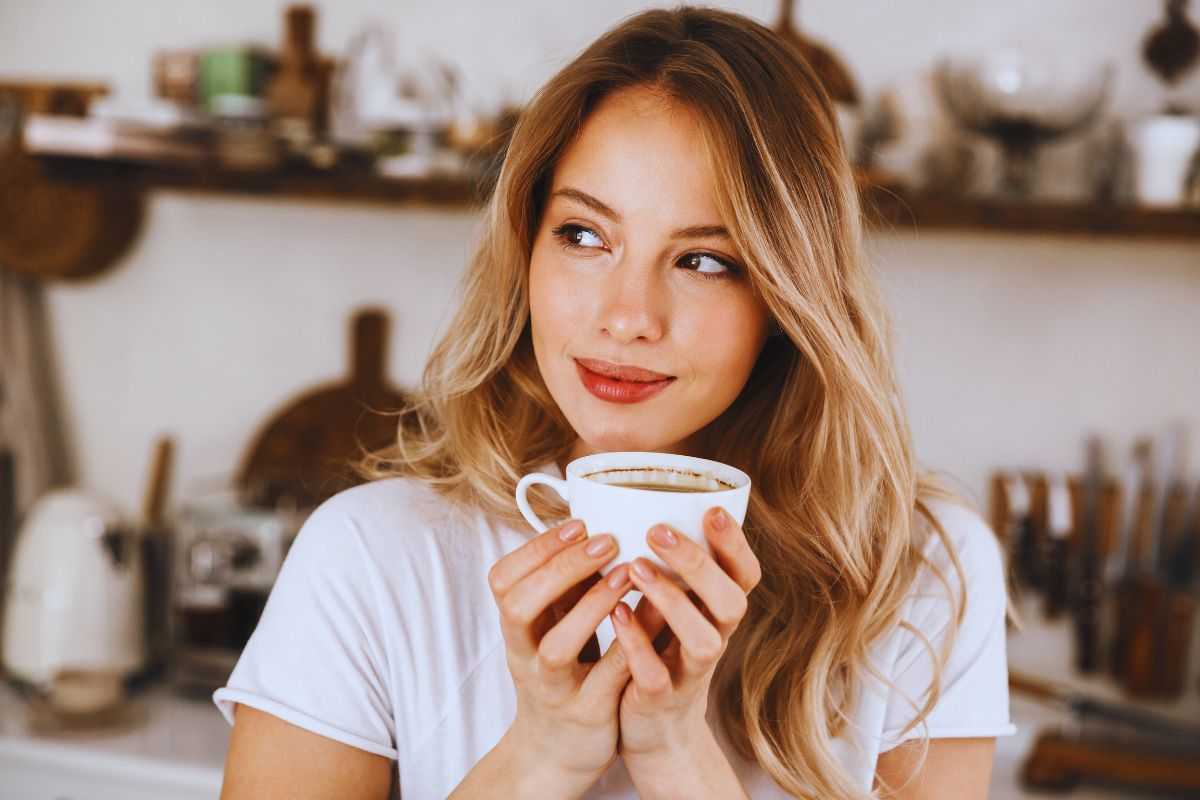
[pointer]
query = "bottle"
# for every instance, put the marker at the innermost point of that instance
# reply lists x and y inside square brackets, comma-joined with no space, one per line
[297,94]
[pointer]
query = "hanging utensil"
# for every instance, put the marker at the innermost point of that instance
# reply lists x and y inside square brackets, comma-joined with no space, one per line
[1172,48]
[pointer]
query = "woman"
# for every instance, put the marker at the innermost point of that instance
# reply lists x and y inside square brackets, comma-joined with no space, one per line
[671,261]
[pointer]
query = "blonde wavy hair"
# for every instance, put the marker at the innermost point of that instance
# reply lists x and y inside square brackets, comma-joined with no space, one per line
[838,516]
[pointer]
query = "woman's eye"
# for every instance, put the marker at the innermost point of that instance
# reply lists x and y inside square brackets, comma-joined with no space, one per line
[709,266]
[705,265]
[566,234]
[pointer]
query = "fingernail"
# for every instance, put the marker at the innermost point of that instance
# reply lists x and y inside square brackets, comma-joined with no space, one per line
[619,577]
[644,571]
[720,518]
[600,545]
[621,613]
[662,535]
[572,531]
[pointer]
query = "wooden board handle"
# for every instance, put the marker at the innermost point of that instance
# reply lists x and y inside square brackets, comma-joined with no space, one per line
[368,348]
[160,476]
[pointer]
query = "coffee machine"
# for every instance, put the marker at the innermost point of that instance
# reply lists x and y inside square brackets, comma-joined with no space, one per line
[227,554]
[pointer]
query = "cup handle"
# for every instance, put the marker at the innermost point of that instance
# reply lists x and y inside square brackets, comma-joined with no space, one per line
[557,484]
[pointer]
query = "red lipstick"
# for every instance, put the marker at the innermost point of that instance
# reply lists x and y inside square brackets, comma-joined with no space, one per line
[618,383]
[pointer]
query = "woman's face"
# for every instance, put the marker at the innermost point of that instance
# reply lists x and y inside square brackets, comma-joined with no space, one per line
[630,269]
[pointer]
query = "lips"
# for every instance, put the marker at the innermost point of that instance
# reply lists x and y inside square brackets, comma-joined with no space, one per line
[622,372]
[618,390]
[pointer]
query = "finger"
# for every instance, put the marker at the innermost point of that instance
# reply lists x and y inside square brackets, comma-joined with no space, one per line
[731,549]
[723,597]
[700,644]
[513,567]
[559,649]
[525,603]
[560,607]
[565,603]
[609,675]
[700,604]
[653,623]
[646,669]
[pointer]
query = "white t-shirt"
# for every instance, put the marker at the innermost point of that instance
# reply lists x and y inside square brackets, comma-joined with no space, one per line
[381,632]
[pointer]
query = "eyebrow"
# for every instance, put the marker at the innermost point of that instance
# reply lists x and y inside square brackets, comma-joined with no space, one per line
[691,232]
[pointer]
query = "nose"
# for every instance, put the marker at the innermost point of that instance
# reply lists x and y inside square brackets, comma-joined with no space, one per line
[633,305]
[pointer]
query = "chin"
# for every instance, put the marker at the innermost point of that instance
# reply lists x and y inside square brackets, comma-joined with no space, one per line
[618,439]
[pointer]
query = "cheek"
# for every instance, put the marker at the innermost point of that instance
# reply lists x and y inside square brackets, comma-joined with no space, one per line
[726,335]
[553,305]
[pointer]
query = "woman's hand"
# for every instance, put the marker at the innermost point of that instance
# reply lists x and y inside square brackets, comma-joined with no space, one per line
[566,721]
[662,709]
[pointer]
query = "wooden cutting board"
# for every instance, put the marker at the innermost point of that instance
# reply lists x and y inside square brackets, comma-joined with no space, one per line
[52,228]
[304,451]
[61,230]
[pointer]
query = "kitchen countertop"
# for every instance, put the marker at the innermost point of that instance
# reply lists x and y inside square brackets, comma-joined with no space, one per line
[1043,650]
[179,750]
[178,747]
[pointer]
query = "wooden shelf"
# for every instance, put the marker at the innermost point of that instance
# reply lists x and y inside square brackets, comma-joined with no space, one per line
[72,208]
[346,182]
[887,207]
[900,210]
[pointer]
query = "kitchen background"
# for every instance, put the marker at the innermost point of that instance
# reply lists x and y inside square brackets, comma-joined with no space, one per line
[1013,345]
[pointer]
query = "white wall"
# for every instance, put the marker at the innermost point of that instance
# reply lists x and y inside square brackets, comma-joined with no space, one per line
[1011,348]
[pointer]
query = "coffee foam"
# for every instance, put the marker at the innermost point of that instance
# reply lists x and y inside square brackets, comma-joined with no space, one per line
[663,476]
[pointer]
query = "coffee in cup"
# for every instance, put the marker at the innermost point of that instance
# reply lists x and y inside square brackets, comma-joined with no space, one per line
[660,479]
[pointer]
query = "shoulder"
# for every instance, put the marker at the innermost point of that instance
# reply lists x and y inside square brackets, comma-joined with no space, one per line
[384,501]
[403,537]
[969,538]
[964,657]
[382,557]
[976,581]
[400,525]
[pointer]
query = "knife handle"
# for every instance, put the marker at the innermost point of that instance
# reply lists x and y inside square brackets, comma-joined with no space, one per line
[1123,621]
[1036,546]
[1027,552]
[1062,524]
[1095,545]
[1177,633]
[1088,599]
[1142,670]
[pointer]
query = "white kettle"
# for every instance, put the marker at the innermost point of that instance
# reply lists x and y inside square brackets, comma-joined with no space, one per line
[75,598]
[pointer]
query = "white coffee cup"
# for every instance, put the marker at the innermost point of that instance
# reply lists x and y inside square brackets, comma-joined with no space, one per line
[628,513]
